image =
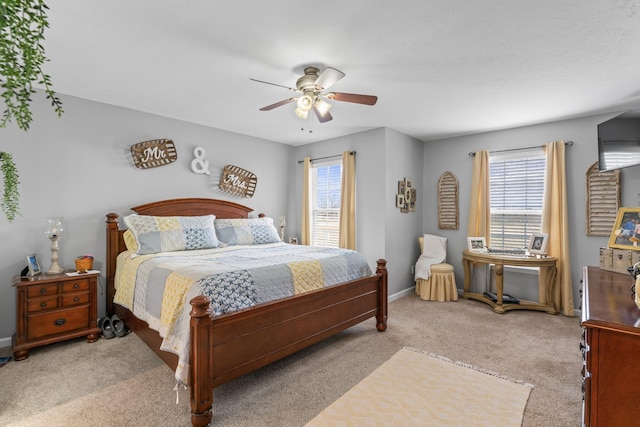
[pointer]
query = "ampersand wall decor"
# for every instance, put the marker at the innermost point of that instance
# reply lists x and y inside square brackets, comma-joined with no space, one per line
[199,164]
[238,181]
[154,153]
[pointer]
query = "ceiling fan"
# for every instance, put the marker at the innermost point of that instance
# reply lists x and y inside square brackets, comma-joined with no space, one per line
[311,87]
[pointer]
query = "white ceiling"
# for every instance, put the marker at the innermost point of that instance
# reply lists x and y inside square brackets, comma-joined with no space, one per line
[440,68]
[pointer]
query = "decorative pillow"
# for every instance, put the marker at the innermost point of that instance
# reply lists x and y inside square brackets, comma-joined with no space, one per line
[130,241]
[246,231]
[155,234]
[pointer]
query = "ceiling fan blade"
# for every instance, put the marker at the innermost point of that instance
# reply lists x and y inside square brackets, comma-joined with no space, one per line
[353,97]
[327,78]
[274,84]
[277,104]
[322,118]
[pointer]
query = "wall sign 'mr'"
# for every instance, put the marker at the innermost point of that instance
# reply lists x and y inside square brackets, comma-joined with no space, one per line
[154,153]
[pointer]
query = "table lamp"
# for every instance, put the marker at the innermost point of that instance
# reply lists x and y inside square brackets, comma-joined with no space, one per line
[54,233]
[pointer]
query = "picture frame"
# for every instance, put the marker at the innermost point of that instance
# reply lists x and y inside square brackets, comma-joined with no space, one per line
[476,244]
[33,265]
[622,236]
[401,187]
[538,243]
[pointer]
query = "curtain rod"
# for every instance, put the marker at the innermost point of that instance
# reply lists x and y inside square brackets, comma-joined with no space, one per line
[473,153]
[353,153]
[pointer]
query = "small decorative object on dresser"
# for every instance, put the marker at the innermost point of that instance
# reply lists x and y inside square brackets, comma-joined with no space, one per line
[54,308]
[626,230]
[33,265]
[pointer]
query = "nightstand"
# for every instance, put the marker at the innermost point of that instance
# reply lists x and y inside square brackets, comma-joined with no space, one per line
[52,308]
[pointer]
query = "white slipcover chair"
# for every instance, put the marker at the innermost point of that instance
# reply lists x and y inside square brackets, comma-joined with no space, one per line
[435,279]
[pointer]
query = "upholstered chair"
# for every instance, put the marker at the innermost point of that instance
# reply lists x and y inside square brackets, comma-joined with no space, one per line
[435,279]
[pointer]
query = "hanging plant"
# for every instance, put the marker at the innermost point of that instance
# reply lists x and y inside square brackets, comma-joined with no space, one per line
[22,25]
[10,197]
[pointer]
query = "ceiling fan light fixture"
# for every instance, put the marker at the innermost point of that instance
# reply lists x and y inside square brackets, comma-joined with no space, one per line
[305,102]
[303,114]
[322,107]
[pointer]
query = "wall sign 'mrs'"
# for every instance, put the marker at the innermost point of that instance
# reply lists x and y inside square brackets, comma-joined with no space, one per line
[238,181]
[154,153]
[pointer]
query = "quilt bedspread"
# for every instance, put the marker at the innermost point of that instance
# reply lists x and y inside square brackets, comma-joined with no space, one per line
[158,287]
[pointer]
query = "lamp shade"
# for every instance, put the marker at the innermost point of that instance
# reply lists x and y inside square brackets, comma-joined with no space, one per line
[54,227]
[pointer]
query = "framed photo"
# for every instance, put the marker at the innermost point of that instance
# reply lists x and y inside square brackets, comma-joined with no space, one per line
[477,244]
[401,187]
[626,229]
[34,266]
[538,244]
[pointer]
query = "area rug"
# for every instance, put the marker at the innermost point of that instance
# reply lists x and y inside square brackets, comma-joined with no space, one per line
[416,388]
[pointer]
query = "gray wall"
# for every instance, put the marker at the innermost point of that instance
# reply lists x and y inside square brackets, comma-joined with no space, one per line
[79,167]
[452,155]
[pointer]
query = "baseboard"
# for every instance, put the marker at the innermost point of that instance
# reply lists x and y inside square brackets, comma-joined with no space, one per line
[5,342]
[401,294]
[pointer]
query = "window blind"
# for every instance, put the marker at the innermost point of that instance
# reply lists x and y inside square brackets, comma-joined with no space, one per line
[326,180]
[516,189]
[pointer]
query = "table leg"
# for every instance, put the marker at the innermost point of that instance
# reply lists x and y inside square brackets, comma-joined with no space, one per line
[499,283]
[466,265]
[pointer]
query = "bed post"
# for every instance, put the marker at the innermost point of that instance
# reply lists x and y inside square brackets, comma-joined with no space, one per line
[381,315]
[200,364]
[112,254]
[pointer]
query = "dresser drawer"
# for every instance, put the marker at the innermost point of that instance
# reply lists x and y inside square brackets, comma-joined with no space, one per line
[75,299]
[42,290]
[75,285]
[42,304]
[40,325]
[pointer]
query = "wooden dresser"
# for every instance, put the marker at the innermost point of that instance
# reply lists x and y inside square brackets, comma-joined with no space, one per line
[611,350]
[52,308]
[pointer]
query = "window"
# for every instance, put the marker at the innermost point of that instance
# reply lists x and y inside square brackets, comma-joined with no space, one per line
[326,180]
[516,186]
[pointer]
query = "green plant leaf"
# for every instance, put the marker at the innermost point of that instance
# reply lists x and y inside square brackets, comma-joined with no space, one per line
[22,55]
[10,196]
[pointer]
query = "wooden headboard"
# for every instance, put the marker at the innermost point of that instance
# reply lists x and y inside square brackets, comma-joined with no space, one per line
[171,207]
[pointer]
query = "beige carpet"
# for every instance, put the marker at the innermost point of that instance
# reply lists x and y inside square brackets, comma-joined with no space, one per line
[414,388]
[121,383]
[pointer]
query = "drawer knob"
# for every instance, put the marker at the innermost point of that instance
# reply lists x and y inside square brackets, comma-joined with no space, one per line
[76,299]
[43,304]
[60,322]
[76,286]
[43,290]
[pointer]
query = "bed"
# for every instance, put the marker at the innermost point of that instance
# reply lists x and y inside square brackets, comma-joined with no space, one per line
[225,346]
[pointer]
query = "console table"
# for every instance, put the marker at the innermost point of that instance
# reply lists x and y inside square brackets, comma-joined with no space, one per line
[548,264]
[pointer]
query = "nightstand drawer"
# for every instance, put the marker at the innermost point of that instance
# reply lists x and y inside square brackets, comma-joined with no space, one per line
[42,290]
[40,325]
[42,304]
[75,299]
[76,285]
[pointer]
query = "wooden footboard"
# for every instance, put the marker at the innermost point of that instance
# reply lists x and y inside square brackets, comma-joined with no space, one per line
[238,343]
[234,344]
